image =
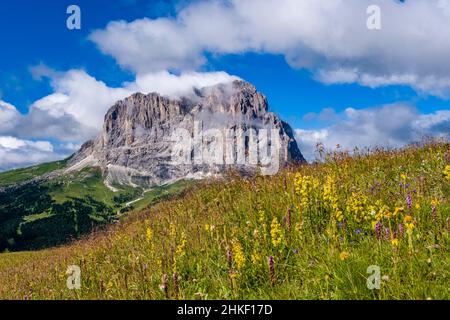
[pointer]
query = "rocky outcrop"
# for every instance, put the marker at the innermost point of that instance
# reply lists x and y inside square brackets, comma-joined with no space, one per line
[151,140]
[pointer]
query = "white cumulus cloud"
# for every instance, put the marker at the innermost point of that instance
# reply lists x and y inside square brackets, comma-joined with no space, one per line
[329,37]
[386,126]
[16,153]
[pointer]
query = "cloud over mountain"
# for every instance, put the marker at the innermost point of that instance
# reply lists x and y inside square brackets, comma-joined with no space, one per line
[328,37]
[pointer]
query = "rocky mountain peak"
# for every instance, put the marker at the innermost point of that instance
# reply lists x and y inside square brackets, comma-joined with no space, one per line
[143,133]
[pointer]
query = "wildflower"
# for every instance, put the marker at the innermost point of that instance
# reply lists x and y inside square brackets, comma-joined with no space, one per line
[378,230]
[149,234]
[447,172]
[395,242]
[172,230]
[387,214]
[276,233]
[343,255]
[181,248]
[409,223]
[407,219]
[304,187]
[238,254]
[262,216]
[256,258]
[397,211]
[296,250]
[207,227]
[165,285]
[417,206]
[385,278]
[176,287]
[434,204]
[330,196]
[409,203]
[288,219]
[357,205]
[387,234]
[180,251]
[401,230]
[229,258]
[358,231]
[339,215]
[271,263]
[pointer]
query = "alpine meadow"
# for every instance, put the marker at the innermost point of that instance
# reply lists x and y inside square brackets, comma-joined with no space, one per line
[310,232]
[225,158]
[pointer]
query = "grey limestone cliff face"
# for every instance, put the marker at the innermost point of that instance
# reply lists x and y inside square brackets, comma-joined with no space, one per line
[212,130]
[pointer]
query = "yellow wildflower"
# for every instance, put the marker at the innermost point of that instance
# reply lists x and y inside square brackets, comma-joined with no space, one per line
[238,254]
[180,252]
[262,217]
[330,196]
[149,234]
[276,232]
[408,219]
[339,215]
[172,230]
[357,206]
[387,214]
[256,258]
[447,172]
[398,210]
[409,223]
[395,242]
[304,187]
[182,246]
[344,255]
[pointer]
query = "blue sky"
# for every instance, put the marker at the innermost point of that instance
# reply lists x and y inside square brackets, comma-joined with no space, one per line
[306,94]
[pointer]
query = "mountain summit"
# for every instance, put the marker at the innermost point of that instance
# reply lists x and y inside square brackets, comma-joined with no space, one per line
[150,140]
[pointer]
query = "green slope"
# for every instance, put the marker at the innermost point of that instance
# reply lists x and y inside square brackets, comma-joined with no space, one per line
[323,226]
[43,214]
[22,175]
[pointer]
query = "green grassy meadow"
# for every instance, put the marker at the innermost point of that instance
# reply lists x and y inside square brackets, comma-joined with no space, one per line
[310,232]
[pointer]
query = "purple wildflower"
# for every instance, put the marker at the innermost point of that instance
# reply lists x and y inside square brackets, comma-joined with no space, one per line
[165,285]
[296,250]
[358,231]
[401,230]
[176,287]
[387,234]
[409,203]
[378,230]
[271,262]
[433,212]
[288,220]
[447,157]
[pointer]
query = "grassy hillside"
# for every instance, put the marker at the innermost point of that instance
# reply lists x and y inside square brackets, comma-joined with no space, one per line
[37,215]
[310,232]
[22,175]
